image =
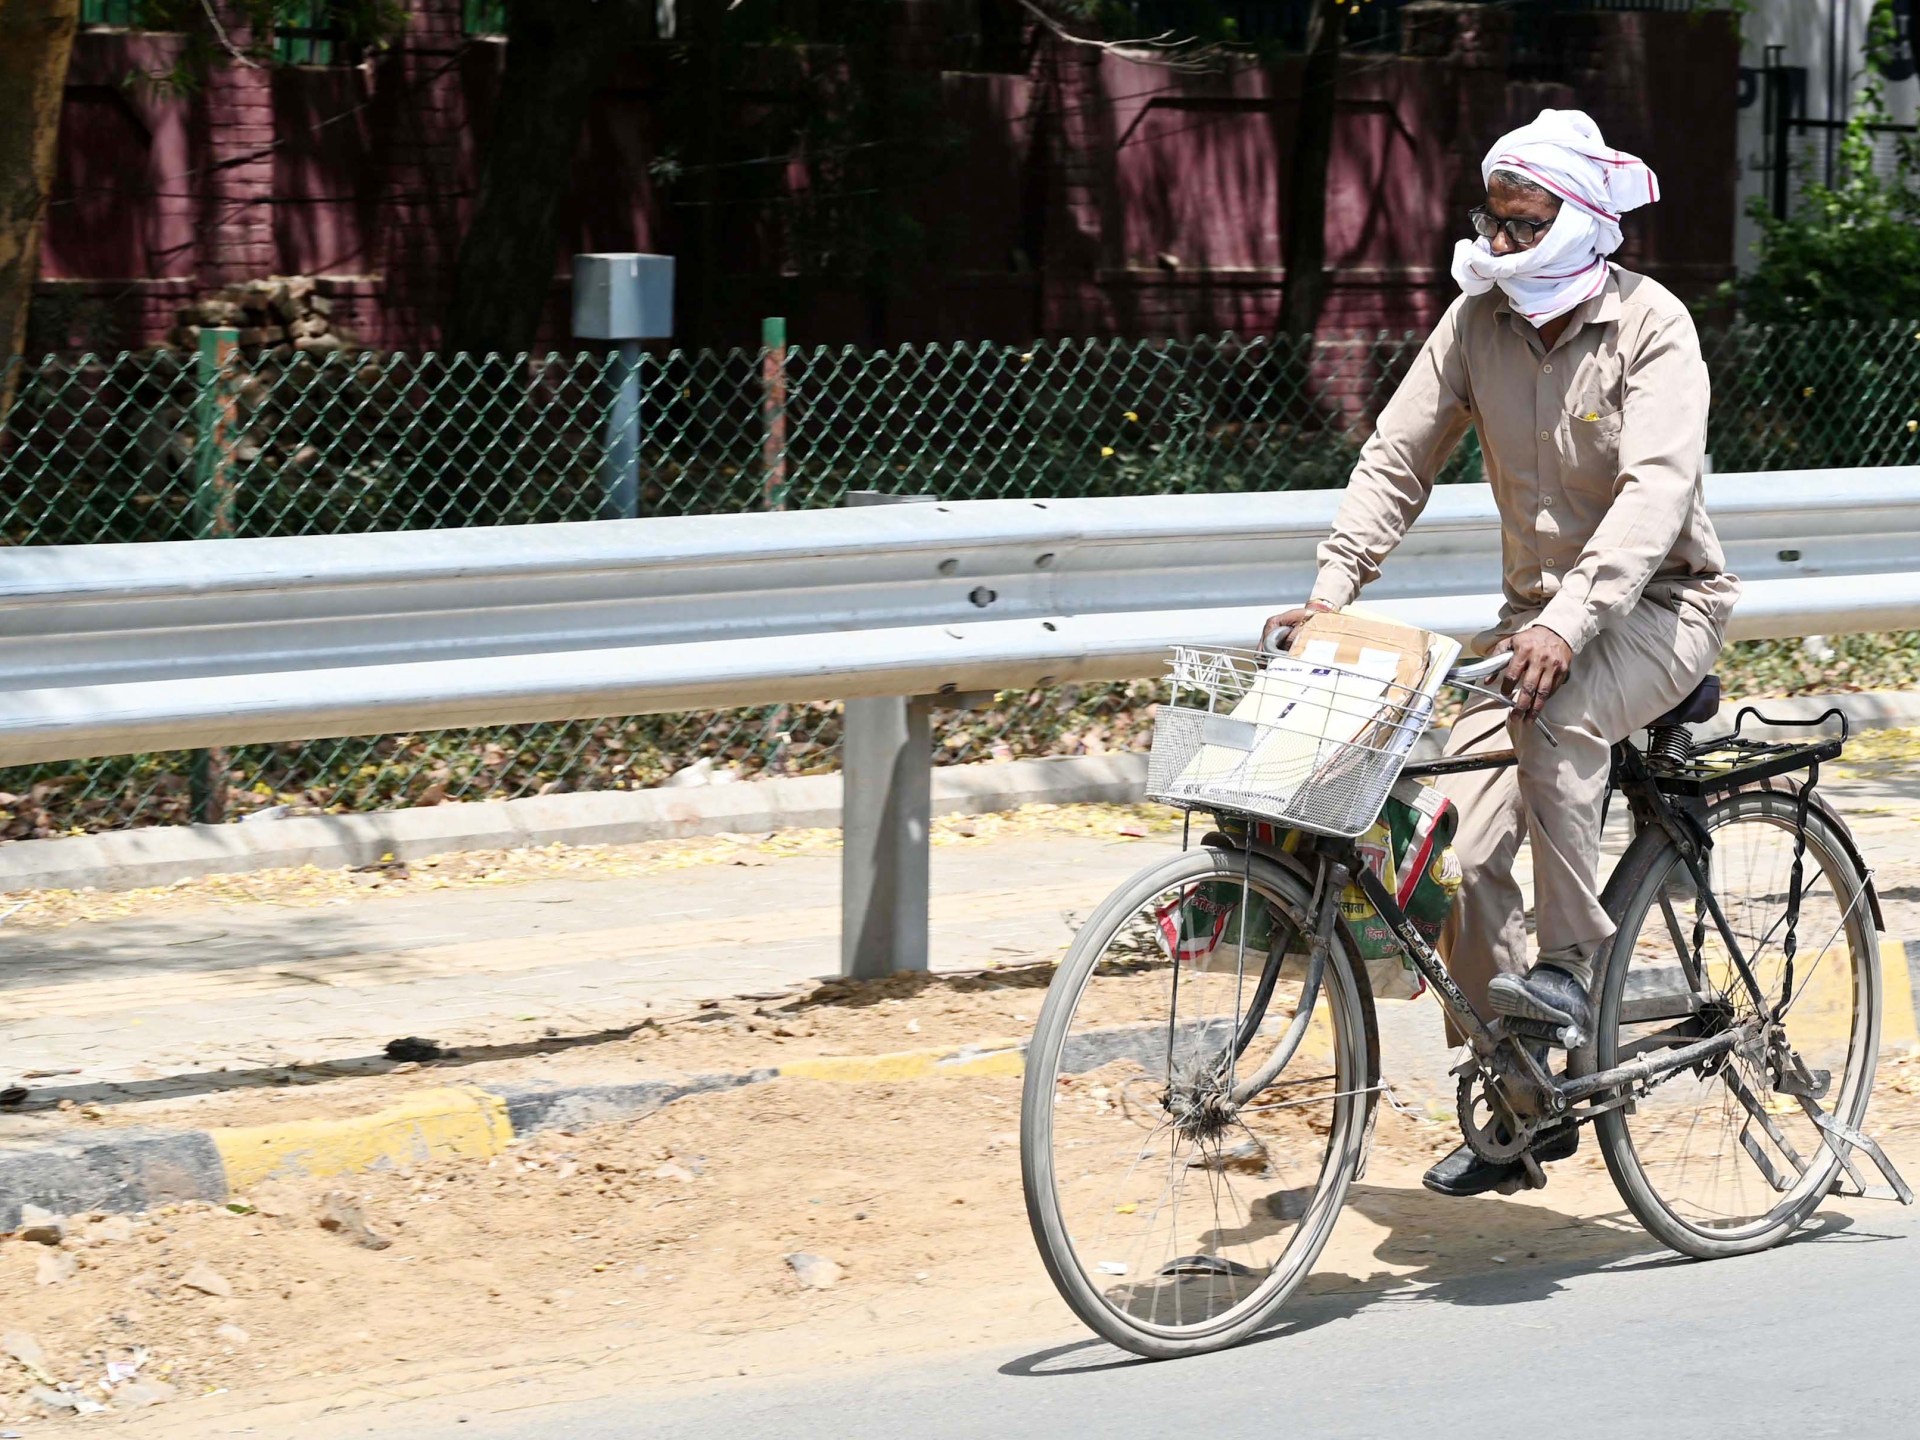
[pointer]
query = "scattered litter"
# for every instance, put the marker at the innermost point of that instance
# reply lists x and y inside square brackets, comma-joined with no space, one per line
[913,1027]
[339,1214]
[207,1280]
[414,1047]
[1498,1259]
[816,1272]
[272,812]
[121,1371]
[1113,1267]
[13,1095]
[1134,832]
[49,1074]
[671,1171]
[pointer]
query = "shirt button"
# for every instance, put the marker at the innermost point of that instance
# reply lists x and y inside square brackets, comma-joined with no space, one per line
[1546,501]
[1548,564]
[1544,435]
[1547,368]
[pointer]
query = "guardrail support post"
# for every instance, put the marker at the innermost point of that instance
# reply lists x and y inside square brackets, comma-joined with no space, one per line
[215,423]
[887,807]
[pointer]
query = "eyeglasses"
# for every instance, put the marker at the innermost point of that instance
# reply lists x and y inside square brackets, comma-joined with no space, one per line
[1524,233]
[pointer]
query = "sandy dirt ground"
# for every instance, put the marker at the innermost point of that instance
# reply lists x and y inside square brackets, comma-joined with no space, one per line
[657,1252]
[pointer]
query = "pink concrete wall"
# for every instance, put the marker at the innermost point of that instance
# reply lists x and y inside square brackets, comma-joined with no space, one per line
[1093,196]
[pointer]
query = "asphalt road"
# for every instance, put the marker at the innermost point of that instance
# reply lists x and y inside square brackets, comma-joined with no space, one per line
[1815,1338]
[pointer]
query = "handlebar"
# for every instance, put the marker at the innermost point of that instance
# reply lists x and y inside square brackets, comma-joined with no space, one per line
[1475,671]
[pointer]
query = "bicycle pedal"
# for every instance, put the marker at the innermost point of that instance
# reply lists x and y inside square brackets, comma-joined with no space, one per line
[1561,1037]
[1529,1177]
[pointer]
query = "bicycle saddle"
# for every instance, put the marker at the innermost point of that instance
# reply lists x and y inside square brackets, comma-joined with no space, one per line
[1702,703]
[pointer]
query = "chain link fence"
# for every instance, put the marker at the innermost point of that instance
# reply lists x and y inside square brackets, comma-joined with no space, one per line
[169,446]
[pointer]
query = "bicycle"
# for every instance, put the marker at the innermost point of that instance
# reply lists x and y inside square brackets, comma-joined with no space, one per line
[1195,1108]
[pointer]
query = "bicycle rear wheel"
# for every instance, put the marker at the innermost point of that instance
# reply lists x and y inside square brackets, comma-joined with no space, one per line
[1717,1160]
[1170,1223]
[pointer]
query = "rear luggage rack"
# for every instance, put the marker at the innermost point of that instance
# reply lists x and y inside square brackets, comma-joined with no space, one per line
[1729,763]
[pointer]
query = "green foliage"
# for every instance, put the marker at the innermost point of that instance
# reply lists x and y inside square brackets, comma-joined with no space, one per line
[245,31]
[1850,251]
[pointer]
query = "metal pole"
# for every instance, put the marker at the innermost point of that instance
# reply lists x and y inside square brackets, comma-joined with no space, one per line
[213,508]
[773,411]
[620,473]
[213,439]
[887,807]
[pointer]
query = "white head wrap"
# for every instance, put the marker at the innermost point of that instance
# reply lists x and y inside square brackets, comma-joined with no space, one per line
[1562,152]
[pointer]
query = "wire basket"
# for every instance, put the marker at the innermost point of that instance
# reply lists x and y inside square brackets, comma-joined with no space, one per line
[1309,747]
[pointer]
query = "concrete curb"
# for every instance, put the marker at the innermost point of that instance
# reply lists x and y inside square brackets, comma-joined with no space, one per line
[141,1168]
[137,1169]
[162,854]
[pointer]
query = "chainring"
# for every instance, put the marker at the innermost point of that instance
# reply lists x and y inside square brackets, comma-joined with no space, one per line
[1483,1136]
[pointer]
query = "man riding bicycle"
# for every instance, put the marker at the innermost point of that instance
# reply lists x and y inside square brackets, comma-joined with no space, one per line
[1586,387]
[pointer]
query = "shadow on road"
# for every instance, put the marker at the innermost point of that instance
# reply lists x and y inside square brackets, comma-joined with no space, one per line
[1464,1252]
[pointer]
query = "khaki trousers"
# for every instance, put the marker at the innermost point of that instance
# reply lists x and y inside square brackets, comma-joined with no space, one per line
[1630,673]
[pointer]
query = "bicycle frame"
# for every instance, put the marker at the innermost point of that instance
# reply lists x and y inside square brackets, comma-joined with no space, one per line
[1651,807]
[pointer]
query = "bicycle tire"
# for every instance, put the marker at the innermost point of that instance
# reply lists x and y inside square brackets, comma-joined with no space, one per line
[1349,999]
[1633,893]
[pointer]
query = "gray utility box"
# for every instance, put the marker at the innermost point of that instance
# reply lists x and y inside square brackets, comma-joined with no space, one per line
[622,297]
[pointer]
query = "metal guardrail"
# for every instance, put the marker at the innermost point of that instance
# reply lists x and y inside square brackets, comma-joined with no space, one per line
[112,648]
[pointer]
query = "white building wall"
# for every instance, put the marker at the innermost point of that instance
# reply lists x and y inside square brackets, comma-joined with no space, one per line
[1828,39]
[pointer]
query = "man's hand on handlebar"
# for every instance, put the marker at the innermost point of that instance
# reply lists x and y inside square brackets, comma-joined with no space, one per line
[1538,668]
[1274,633]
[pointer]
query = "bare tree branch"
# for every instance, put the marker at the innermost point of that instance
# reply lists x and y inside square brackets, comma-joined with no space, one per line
[1167,49]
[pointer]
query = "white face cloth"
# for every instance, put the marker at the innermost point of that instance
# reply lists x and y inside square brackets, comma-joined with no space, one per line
[1561,151]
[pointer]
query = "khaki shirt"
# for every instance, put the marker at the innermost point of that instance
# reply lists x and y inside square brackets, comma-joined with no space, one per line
[1594,451]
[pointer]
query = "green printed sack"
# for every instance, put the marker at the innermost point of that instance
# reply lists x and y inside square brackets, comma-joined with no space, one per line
[1409,849]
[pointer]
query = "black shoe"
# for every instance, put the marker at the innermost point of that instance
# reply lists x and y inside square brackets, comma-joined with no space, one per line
[1547,1003]
[1464,1173]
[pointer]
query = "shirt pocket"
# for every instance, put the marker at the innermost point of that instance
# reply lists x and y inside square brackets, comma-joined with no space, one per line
[1590,445]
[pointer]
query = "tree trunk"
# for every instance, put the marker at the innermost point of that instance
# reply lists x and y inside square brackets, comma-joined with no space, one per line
[36,37]
[559,55]
[1306,229]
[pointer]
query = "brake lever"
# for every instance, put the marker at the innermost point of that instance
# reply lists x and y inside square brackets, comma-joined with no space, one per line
[1494,695]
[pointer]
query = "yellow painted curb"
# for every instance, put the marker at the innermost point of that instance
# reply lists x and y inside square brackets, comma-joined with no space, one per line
[1897,1026]
[909,1064]
[434,1124]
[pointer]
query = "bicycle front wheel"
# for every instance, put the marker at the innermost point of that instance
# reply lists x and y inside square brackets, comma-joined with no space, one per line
[1720,1159]
[1172,1222]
